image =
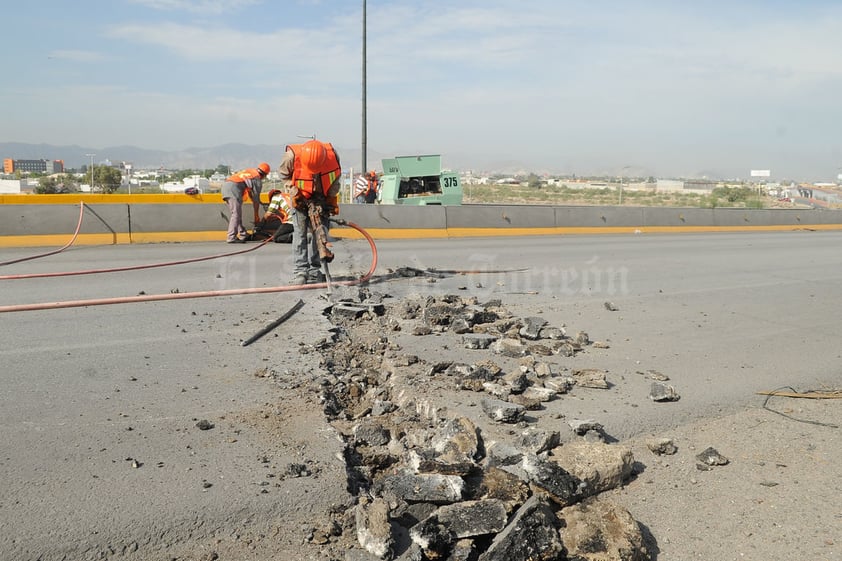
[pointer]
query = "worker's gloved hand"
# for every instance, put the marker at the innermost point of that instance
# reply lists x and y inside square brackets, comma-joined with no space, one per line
[299,201]
[332,205]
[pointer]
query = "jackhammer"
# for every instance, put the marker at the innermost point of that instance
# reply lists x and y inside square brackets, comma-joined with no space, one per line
[314,211]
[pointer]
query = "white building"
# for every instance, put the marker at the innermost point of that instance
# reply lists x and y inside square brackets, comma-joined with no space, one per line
[10,186]
[193,181]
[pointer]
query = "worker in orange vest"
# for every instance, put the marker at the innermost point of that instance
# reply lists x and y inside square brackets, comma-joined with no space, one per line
[314,176]
[248,181]
[277,220]
[366,187]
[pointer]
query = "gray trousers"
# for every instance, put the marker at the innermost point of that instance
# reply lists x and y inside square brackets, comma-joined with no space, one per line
[305,253]
[235,218]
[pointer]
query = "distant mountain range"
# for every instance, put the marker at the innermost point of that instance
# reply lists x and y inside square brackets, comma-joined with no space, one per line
[240,156]
[237,156]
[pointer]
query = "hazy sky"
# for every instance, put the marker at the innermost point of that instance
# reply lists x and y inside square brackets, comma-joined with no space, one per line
[627,86]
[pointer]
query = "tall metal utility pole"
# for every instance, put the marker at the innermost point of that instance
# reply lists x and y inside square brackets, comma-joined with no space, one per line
[363,154]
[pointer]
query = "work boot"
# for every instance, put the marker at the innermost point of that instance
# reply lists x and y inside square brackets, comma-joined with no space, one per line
[315,277]
[298,279]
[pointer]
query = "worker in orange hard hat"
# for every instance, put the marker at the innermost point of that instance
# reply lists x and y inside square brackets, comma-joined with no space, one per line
[366,188]
[314,176]
[248,181]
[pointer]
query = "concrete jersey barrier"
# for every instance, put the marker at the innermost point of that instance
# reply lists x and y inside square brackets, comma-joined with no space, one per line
[46,220]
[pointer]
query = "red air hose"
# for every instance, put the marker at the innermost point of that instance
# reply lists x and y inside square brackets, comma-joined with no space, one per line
[131,267]
[205,294]
[59,250]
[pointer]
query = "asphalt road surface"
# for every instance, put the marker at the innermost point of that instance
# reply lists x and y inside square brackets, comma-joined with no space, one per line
[102,454]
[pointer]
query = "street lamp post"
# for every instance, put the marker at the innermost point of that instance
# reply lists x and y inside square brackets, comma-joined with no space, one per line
[92,171]
[364,147]
[622,181]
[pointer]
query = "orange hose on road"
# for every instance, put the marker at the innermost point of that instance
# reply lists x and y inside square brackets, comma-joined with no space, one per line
[131,267]
[205,294]
[59,250]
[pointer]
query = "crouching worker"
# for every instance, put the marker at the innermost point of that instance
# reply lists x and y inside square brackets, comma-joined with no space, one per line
[314,176]
[277,220]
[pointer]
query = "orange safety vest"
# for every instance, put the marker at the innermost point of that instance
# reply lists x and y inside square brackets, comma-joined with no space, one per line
[280,205]
[241,176]
[302,177]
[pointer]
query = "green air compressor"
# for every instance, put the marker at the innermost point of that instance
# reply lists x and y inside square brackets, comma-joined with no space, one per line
[418,180]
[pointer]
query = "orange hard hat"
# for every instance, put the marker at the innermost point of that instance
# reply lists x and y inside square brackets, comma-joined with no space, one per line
[264,168]
[273,192]
[313,154]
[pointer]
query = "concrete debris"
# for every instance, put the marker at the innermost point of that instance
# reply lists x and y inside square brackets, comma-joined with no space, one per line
[499,391]
[427,484]
[509,347]
[599,530]
[373,530]
[551,332]
[446,525]
[582,338]
[517,381]
[663,392]
[422,487]
[496,483]
[591,378]
[457,436]
[462,550]
[503,454]
[539,349]
[611,307]
[661,446]
[711,457]
[565,348]
[478,341]
[654,375]
[559,485]
[503,411]
[536,441]
[532,535]
[382,408]
[582,426]
[538,393]
[599,466]
[371,432]
[532,328]
[559,384]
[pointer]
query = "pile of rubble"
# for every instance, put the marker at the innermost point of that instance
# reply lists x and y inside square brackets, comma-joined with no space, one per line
[434,484]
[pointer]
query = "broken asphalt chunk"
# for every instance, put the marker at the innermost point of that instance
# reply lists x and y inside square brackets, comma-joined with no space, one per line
[711,457]
[449,523]
[422,487]
[503,411]
[532,328]
[597,530]
[374,533]
[663,392]
[477,341]
[530,536]
[562,487]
